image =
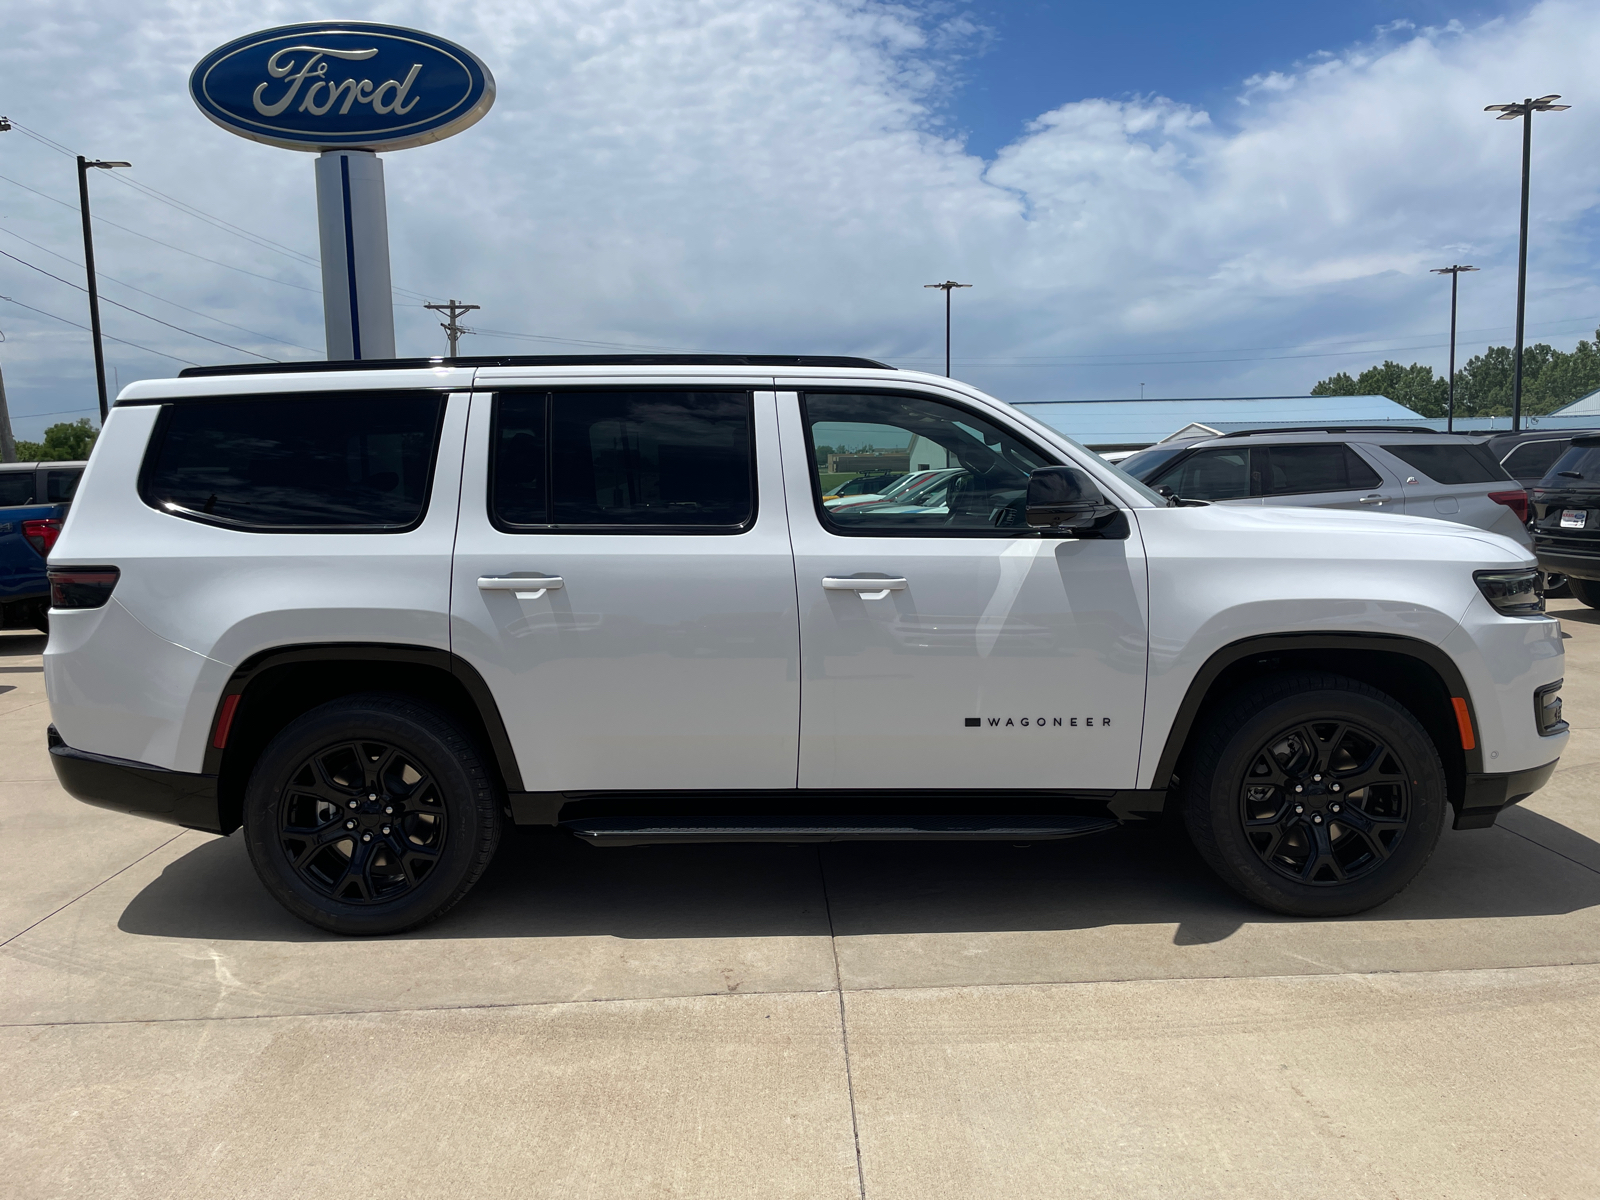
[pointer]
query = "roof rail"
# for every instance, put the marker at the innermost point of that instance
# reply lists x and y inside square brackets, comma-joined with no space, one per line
[1333,429]
[543,360]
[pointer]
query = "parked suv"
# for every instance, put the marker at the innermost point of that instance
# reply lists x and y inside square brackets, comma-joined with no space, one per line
[1383,468]
[1566,519]
[372,612]
[1530,455]
[33,502]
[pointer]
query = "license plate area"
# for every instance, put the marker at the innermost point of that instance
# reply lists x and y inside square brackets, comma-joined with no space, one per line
[1574,518]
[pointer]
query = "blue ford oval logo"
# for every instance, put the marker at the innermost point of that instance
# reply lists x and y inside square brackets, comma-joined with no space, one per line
[342,84]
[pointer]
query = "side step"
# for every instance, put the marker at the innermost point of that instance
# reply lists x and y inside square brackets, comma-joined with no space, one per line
[659,830]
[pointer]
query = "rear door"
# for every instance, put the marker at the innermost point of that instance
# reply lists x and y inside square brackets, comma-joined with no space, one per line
[1321,475]
[624,583]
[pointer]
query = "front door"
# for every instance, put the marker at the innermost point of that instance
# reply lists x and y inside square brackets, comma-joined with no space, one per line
[624,584]
[944,644]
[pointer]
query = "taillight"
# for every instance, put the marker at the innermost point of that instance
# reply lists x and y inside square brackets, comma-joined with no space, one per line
[42,535]
[81,587]
[1516,501]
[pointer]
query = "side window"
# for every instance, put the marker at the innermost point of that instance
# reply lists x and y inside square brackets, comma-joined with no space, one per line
[1533,460]
[609,460]
[1319,467]
[935,468]
[1219,474]
[16,488]
[324,461]
[61,486]
[1464,463]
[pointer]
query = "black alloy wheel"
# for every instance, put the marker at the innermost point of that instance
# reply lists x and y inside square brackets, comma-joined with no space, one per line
[371,814]
[362,822]
[1314,795]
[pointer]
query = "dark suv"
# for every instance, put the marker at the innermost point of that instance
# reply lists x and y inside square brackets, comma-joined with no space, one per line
[1566,519]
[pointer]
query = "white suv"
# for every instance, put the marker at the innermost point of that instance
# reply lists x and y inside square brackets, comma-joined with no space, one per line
[369,612]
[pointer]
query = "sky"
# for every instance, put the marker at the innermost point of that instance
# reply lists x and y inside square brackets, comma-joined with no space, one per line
[1168,199]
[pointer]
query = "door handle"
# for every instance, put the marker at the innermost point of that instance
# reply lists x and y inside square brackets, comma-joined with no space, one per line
[869,589]
[1373,499]
[526,587]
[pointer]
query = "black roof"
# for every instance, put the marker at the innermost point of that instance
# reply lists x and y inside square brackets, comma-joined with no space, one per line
[544,360]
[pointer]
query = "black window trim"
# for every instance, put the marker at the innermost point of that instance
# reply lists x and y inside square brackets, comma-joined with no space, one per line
[504,526]
[1050,457]
[157,434]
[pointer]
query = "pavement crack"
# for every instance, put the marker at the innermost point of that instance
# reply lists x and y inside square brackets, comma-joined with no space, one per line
[844,1026]
[1551,849]
[101,884]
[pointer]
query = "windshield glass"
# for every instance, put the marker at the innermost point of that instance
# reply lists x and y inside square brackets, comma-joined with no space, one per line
[1146,463]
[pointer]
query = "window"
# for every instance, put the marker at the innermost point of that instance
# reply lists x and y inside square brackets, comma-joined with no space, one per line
[947,470]
[16,488]
[1319,467]
[1580,463]
[61,486]
[1532,460]
[320,461]
[598,460]
[1220,474]
[1466,462]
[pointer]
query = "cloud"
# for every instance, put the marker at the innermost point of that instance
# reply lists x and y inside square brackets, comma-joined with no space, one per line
[771,175]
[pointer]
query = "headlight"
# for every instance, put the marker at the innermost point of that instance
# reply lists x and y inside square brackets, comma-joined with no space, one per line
[1515,593]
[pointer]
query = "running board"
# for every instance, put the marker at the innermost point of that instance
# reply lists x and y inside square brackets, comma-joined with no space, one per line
[656,830]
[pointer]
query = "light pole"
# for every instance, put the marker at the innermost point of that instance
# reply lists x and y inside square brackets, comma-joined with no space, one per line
[88,262]
[1455,277]
[1524,112]
[948,286]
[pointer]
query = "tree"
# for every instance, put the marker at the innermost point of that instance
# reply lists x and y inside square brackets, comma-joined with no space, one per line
[1550,379]
[64,441]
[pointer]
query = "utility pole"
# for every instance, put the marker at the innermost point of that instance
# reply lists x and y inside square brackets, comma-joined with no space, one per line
[88,262]
[8,443]
[1523,112]
[948,286]
[453,329]
[1455,278]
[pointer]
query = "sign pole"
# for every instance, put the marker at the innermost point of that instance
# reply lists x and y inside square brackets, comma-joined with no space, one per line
[353,227]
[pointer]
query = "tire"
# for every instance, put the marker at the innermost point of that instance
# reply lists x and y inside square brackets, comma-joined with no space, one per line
[1587,590]
[1284,732]
[398,775]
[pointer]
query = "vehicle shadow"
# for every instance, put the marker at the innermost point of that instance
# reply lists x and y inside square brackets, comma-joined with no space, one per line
[18,644]
[544,884]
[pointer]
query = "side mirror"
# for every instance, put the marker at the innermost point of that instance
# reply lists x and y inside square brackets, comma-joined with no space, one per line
[1066,501]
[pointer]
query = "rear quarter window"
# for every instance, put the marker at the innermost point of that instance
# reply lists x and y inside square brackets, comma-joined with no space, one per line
[359,462]
[1465,463]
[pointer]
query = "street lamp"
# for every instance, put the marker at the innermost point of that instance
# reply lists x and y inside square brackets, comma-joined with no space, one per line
[1455,278]
[88,261]
[1524,112]
[948,286]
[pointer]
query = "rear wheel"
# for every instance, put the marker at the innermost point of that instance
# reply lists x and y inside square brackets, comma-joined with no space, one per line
[371,814]
[1315,795]
[1587,590]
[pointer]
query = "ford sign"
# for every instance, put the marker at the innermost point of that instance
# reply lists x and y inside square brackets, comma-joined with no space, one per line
[342,85]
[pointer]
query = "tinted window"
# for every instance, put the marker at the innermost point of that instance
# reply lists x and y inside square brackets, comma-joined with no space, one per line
[648,459]
[966,475]
[319,461]
[60,486]
[1321,467]
[1219,474]
[16,487]
[1464,463]
[1580,464]
[1531,460]
[1147,462]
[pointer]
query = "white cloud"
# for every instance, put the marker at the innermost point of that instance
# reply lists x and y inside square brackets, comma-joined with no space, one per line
[769,175]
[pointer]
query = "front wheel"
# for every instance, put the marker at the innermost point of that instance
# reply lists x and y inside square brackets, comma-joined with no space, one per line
[371,814]
[1315,795]
[1587,590]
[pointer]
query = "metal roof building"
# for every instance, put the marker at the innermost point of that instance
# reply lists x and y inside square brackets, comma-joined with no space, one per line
[1134,424]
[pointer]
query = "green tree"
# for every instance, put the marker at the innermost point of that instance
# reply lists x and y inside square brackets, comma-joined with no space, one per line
[1550,379]
[64,441]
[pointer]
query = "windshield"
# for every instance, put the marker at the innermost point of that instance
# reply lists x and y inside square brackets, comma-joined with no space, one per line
[1146,463]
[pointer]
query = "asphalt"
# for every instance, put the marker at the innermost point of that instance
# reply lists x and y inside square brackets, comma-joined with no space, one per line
[1087,1018]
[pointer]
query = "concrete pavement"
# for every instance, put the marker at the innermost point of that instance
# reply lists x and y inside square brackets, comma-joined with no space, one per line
[896,1021]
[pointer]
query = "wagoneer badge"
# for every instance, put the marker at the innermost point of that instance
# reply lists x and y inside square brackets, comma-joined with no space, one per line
[340,84]
[1038,722]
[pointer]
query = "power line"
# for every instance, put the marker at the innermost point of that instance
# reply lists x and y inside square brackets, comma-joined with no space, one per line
[137,312]
[108,337]
[131,287]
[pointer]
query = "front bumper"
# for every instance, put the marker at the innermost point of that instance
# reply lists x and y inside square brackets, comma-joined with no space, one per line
[137,788]
[1486,795]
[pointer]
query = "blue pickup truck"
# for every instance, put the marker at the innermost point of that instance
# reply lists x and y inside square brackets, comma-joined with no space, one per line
[34,498]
